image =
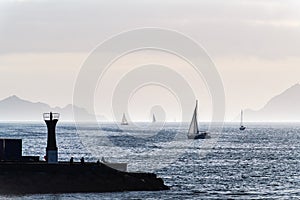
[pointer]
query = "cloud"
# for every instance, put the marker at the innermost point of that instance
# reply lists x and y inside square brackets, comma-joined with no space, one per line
[268,29]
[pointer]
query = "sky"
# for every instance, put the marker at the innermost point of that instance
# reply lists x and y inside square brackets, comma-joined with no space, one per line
[254,44]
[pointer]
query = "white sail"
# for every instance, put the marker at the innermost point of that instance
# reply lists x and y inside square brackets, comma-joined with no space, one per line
[241,117]
[153,119]
[193,130]
[124,120]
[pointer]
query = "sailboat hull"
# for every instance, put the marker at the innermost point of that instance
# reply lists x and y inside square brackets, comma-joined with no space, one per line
[200,135]
[242,128]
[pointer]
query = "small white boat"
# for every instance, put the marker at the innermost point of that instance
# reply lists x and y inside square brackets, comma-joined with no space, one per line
[194,132]
[242,127]
[124,120]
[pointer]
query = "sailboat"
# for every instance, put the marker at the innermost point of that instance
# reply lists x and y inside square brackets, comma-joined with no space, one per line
[153,119]
[194,132]
[124,120]
[242,127]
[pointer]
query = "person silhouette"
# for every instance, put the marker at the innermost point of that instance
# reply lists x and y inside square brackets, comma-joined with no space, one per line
[82,160]
[71,160]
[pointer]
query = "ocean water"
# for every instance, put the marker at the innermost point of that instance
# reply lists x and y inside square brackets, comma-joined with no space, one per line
[262,162]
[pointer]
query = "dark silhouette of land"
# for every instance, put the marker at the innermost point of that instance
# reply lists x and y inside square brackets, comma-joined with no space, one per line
[14,108]
[283,107]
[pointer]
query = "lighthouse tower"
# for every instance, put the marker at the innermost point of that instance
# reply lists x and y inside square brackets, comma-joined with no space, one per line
[51,120]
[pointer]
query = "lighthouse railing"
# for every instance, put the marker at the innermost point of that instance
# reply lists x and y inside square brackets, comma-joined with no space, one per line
[46,116]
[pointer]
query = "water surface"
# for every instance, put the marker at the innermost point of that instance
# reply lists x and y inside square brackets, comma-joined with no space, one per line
[261,162]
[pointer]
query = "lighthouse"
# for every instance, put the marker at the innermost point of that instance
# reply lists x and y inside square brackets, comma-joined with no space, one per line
[51,120]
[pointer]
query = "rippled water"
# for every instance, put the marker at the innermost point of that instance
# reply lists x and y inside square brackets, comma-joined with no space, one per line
[261,162]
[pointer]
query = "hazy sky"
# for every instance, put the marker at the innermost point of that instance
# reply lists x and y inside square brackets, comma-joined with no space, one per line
[255,44]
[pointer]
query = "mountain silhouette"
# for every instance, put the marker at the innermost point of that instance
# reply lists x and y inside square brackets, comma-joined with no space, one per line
[14,108]
[283,107]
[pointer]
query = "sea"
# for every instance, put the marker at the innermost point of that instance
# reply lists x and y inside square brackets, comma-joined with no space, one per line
[262,162]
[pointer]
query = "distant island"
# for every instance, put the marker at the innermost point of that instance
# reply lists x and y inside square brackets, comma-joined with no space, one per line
[281,108]
[14,108]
